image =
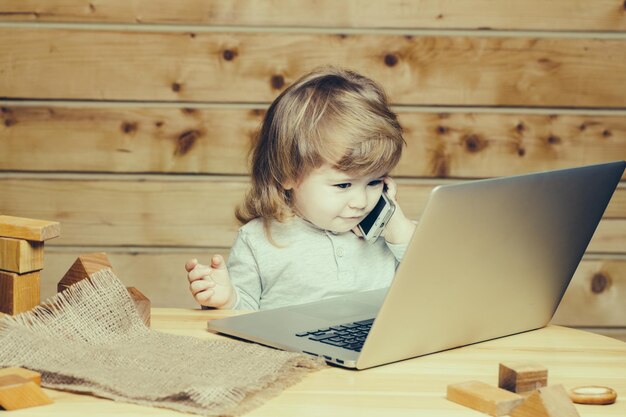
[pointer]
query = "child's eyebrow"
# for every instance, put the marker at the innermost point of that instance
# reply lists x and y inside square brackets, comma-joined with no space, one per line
[352,179]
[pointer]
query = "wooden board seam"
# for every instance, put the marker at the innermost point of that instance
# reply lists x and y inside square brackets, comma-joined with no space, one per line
[407,108]
[175,28]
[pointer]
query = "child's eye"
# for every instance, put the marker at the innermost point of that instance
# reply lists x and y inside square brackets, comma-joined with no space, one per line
[375,182]
[343,185]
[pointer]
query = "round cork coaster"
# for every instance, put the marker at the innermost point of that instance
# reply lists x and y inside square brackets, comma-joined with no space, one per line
[593,395]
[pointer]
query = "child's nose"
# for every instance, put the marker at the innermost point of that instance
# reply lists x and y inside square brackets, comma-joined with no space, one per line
[358,200]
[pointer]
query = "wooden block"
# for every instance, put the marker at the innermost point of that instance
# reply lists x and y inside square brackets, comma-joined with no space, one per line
[522,378]
[85,266]
[17,392]
[21,256]
[29,229]
[18,293]
[551,401]
[484,397]
[24,373]
[142,303]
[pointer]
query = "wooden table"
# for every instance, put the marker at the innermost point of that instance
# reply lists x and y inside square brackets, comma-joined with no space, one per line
[410,388]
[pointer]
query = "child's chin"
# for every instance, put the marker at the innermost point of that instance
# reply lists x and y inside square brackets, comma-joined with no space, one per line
[339,230]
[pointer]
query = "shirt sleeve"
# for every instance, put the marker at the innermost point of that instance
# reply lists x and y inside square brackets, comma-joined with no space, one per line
[398,250]
[244,274]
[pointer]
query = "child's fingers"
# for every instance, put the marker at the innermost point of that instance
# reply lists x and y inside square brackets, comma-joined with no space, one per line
[392,188]
[199,272]
[357,231]
[204,296]
[191,264]
[217,262]
[200,285]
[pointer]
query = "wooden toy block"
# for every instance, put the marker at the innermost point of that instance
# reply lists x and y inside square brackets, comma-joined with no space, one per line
[142,303]
[21,256]
[85,266]
[17,392]
[24,373]
[28,229]
[522,378]
[484,397]
[551,401]
[18,293]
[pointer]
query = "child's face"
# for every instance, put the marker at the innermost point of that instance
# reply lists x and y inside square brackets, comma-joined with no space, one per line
[335,201]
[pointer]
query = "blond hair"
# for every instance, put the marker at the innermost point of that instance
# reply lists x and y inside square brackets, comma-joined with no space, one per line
[329,116]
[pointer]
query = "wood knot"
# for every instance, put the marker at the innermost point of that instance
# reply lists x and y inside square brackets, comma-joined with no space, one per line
[176,87]
[253,135]
[439,16]
[442,130]
[438,164]
[342,36]
[606,133]
[92,8]
[229,54]
[128,127]
[192,35]
[474,143]
[582,127]
[391,60]
[521,151]
[548,64]
[520,127]
[554,140]
[9,122]
[277,81]
[186,140]
[600,283]
[257,112]
[188,110]
[158,123]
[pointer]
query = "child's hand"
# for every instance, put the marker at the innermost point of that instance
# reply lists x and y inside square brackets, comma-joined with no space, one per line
[399,228]
[210,285]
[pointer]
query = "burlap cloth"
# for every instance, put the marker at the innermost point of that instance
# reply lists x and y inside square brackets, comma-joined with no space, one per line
[90,339]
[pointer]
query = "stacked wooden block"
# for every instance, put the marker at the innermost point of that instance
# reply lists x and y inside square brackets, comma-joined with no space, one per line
[522,392]
[21,261]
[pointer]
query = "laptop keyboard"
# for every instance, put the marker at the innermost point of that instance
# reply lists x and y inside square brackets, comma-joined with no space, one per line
[348,336]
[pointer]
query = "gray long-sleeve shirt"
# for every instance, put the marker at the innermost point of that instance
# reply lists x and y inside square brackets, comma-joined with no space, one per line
[309,264]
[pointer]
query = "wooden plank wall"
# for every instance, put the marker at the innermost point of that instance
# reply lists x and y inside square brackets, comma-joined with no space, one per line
[129,122]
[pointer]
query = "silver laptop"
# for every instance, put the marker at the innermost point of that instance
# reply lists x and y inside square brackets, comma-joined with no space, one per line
[489,258]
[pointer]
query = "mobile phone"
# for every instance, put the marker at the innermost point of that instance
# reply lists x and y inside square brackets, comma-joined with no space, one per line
[374,223]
